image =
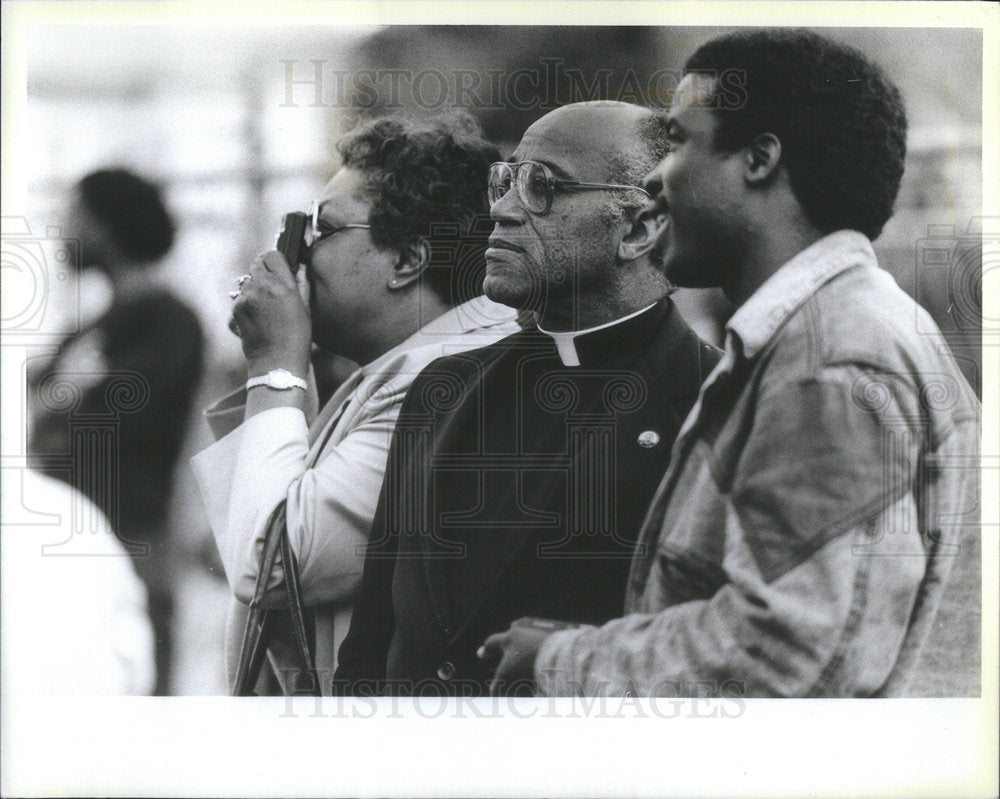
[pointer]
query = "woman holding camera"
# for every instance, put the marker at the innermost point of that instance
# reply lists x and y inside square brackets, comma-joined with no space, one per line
[391,279]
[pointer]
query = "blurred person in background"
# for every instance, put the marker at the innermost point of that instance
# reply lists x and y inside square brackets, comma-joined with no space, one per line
[130,377]
[392,279]
[74,611]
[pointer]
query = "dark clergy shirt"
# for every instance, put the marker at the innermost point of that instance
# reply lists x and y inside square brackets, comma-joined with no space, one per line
[515,487]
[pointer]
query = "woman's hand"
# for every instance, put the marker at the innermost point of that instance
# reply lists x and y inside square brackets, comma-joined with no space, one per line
[271,317]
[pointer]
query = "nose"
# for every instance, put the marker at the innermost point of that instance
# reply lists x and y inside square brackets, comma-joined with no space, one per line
[653,183]
[508,210]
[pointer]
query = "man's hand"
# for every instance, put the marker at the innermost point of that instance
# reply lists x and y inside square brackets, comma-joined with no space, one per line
[516,651]
[271,315]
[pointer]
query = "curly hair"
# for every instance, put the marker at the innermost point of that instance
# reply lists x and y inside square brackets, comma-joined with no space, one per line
[840,120]
[133,209]
[428,180]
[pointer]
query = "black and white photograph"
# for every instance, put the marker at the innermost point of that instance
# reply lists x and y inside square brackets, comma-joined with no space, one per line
[577,399]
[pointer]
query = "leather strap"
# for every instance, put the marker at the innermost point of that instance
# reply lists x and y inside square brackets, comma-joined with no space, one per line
[297,610]
[261,622]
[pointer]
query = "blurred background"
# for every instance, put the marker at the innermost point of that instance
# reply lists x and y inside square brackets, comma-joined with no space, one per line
[237,124]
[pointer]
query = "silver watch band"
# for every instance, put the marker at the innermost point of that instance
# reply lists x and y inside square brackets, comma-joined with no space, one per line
[280,379]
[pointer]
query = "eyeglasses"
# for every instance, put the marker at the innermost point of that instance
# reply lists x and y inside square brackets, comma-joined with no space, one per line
[536,185]
[317,231]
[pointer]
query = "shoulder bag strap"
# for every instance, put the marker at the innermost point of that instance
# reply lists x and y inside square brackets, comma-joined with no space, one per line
[260,621]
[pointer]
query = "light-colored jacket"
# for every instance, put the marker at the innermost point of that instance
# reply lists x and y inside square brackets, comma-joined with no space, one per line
[817,533]
[330,474]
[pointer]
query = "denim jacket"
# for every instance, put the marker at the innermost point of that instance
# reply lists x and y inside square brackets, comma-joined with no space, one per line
[817,532]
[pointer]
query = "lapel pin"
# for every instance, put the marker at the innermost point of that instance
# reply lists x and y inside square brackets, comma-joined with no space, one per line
[648,439]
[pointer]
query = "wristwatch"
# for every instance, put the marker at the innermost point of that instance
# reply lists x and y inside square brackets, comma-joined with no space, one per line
[280,379]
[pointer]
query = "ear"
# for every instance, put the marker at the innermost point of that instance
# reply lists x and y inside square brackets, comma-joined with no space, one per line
[763,156]
[647,227]
[414,259]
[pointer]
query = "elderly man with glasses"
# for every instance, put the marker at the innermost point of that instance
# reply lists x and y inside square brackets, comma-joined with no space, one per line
[391,280]
[519,473]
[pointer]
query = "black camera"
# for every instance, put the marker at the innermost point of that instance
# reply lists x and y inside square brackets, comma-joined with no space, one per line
[291,238]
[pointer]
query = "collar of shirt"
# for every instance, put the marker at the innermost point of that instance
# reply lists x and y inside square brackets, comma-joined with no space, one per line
[759,318]
[756,321]
[567,342]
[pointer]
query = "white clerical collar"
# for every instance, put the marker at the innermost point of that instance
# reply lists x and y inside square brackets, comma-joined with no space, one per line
[565,344]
